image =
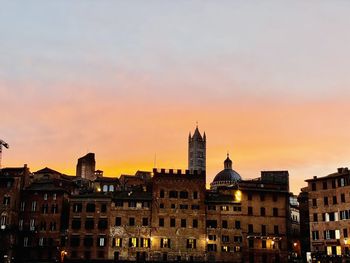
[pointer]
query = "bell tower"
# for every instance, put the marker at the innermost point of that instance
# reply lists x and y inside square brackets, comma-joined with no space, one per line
[197,151]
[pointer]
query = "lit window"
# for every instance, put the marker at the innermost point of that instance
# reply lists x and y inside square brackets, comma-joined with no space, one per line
[111,188]
[133,242]
[101,242]
[191,243]
[33,206]
[25,241]
[41,241]
[165,243]
[54,196]
[225,249]
[3,221]
[45,196]
[32,225]
[20,224]
[23,205]
[118,242]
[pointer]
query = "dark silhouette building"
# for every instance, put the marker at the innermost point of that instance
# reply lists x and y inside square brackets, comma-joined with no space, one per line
[197,147]
[86,167]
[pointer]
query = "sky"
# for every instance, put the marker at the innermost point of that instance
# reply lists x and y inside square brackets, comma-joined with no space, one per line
[268,81]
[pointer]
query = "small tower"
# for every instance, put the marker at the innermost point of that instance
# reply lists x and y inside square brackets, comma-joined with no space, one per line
[197,151]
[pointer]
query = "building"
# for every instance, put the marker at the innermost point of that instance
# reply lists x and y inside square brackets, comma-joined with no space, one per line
[178,215]
[329,214]
[43,216]
[197,147]
[12,180]
[303,199]
[86,167]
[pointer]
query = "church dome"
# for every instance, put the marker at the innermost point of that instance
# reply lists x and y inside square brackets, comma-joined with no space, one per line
[226,177]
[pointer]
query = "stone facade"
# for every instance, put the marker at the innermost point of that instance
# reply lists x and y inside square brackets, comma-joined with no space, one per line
[197,150]
[329,215]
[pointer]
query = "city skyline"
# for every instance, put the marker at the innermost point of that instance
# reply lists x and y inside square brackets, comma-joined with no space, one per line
[267,82]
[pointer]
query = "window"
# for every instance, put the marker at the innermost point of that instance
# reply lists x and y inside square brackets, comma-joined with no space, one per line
[20,224]
[161,205]
[211,224]
[191,243]
[251,243]
[275,211]
[45,196]
[195,223]
[324,184]
[43,226]
[172,222]
[133,242]
[3,221]
[345,232]
[111,188]
[225,238]
[237,239]
[183,222]
[23,205]
[184,194]
[103,208]
[334,200]
[54,196]
[132,204]
[77,207]
[173,206]
[117,242]
[32,225]
[25,241]
[182,206]
[118,221]
[195,207]
[131,221]
[173,194]
[119,203]
[161,194]
[104,188]
[45,208]
[161,222]
[54,209]
[76,224]
[225,249]
[263,230]
[145,242]
[250,210]
[102,224]
[276,230]
[224,224]
[341,182]
[262,211]
[315,235]
[325,200]
[342,198]
[6,200]
[250,228]
[165,243]
[53,226]
[212,237]
[101,241]
[89,223]
[238,224]
[195,195]
[313,186]
[90,208]
[41,242]
[315,217]
[314,202]
[33,206]
[263,243]
[75,241]
[237,208]
[333,183]
[224,208]
[88,241]
[145,221]
[211,247]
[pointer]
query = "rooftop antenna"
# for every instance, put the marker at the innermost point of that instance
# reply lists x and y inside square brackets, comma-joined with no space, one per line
[2,143]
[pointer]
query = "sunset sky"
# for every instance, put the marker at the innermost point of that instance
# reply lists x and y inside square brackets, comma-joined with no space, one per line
[267,81]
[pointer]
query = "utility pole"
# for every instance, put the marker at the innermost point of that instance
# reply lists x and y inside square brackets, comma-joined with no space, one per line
[2,143]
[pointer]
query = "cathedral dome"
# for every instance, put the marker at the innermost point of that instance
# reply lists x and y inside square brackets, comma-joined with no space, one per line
[226,177]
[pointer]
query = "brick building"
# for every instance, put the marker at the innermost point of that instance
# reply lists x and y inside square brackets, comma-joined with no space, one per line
[329,214]
[12,180]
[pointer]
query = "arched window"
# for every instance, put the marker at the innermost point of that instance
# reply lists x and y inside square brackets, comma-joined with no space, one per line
[111,188]
[105,188]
